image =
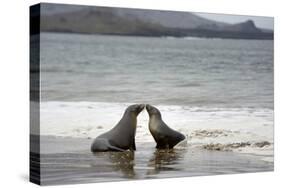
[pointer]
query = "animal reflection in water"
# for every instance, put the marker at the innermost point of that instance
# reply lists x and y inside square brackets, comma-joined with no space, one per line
[119,162]
[124,162]
[165,160]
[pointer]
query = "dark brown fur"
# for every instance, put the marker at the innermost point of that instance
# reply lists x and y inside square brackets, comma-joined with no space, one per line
[122,136]
[164,136]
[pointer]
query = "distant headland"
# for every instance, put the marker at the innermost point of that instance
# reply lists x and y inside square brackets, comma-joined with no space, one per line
[139,22]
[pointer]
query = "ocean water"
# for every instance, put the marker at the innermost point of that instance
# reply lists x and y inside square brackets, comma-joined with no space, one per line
[170,71]
[218,92]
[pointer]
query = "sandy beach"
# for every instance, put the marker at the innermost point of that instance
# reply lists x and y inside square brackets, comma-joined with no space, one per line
[66,160]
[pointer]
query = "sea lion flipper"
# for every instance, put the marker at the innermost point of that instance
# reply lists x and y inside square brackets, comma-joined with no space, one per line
[159,146]
[114,148]
[134,145]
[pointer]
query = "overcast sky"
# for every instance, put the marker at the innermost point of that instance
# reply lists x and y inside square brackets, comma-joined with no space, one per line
[262,22]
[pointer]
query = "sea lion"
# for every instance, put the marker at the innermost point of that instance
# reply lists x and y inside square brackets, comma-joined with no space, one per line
[164,136]
[122,136]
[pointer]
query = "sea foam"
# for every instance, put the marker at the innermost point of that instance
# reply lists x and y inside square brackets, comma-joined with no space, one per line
[236,129]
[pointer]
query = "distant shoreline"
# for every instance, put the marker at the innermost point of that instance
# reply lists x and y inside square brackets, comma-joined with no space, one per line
[134,22]
[162,36]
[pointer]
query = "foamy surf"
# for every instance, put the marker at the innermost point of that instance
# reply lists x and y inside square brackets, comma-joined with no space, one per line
[245,130]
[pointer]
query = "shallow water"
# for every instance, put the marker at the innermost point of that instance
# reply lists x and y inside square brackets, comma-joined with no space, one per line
[60,164]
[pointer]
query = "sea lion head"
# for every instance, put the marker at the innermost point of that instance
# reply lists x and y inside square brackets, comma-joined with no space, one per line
[152,111]
[135,109]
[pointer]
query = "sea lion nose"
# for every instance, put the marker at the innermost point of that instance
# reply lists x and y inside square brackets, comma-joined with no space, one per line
[142,106]
[148,107]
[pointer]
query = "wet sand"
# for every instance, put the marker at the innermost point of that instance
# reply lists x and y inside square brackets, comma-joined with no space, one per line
[69,160]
